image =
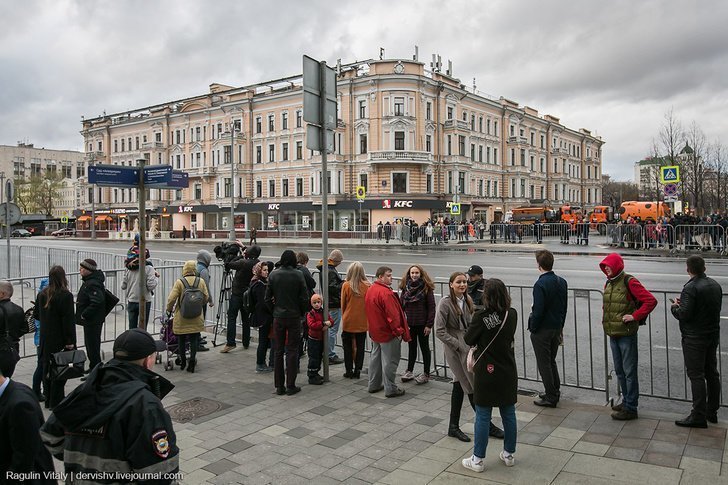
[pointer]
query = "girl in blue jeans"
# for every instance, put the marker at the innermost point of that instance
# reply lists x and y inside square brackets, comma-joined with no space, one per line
[492,331]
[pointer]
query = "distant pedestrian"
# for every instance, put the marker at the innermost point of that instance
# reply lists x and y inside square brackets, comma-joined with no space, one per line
[492,330]
[253,236]
[417,296]
[387,329]
[626,305]
[184,233]
[698,310]
[354,323]
[91,309]
[388,231]
[380,230]
[203,271]
[546,324]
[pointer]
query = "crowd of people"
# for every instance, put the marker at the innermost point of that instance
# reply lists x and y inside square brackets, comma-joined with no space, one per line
[116,415]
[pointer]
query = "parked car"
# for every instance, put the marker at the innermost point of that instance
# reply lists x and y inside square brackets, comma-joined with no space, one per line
[20,233]
[65,232]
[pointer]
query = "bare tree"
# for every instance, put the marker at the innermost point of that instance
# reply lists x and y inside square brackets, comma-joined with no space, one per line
[671,139]
[615,192]
[716,177]
[693,167]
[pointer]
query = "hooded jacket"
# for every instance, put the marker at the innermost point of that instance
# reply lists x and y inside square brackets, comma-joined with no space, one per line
[132,282]
[203,263]
[181,325]
[384,314]
[623,295]
[114,422]
[91,300]
[244,270]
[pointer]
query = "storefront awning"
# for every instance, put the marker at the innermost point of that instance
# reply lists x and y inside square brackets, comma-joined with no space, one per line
[83,218]
[102,218]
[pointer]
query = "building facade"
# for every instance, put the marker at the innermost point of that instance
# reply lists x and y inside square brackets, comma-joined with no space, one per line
[23,161]
[413,138]
[647,177]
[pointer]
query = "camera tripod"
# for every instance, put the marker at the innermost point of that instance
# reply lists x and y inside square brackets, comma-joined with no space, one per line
[226,287]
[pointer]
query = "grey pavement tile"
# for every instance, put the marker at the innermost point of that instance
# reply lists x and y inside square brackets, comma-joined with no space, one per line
[388,463]
[706,441]
[220,466]
[354,481]
[340,472]
[665,447]
[661,459]
[712,431]
[391,443]
[709,454]
[605,428]
[403,454]
[299,432]
[227,478]
[430,436]
[311,470]
[532,438]
[280,470]
[322,410]
[629,454]
[576,424]
[636,432]
[359,462]
[634,443]
[621,471]
[350,434]
[429,421]
[547,420]
[416,445]
[603,439]
[333,442]
[672,436]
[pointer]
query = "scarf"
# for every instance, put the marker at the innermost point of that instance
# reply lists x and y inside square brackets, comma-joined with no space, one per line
[414,291]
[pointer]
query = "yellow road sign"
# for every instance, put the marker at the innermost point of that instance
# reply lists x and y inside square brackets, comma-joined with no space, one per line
[455,209]
[361,192]
[670,174]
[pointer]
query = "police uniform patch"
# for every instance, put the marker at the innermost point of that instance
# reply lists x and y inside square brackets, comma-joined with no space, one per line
[160,443]
[490,368]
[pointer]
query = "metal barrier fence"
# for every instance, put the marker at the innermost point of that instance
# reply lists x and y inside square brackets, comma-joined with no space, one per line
[701,237]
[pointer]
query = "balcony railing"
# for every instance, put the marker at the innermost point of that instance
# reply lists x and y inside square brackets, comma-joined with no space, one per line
[400,156]
[520,140]
[153,145]
[459,124]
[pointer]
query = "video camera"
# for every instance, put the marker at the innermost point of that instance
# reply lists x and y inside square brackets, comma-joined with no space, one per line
[228,251]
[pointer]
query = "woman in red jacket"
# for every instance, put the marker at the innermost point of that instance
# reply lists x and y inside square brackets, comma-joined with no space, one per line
[417,295]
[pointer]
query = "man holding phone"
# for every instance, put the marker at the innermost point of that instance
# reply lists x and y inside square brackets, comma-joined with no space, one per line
[698,310]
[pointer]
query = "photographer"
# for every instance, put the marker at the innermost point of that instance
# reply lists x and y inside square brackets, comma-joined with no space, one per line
[243,266]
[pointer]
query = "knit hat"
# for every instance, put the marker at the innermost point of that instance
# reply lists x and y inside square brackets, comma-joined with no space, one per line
[134,344]
[336,256]
[316,297]
[89,264]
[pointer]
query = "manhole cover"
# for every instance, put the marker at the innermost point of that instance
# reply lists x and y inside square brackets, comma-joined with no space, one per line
[197,407]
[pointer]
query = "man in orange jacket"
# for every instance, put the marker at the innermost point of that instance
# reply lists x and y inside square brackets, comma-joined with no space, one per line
[387,329]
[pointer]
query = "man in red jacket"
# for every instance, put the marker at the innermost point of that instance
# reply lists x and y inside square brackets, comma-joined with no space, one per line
[387,328]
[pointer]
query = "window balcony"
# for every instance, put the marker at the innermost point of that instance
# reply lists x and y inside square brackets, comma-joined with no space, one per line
[457,125]
[153,146]
[400,156]
[518,140]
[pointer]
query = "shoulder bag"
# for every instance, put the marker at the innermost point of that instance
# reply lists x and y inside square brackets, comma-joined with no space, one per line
[67,364]
[471,361]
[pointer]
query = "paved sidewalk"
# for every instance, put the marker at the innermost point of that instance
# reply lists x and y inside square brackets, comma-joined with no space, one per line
[339,433]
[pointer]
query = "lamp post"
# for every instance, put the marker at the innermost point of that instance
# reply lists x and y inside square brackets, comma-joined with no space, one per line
[93,201]
[233,130]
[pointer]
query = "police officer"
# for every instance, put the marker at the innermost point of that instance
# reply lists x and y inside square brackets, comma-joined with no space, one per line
[115,420]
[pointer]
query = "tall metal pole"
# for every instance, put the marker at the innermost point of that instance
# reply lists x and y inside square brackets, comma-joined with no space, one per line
[232,180]
[93,203]
[8,197]
[142,247]
[324,215]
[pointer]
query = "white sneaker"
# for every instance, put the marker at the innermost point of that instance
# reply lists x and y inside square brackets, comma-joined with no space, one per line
[507,458]
[470,464]
[407,376]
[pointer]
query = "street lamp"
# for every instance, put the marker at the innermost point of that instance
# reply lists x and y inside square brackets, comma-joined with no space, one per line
[93,200]
[233,131]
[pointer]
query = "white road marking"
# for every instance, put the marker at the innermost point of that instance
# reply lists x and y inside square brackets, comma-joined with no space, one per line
[679,349]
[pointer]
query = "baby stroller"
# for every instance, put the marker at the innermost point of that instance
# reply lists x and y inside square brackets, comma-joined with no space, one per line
[170,339]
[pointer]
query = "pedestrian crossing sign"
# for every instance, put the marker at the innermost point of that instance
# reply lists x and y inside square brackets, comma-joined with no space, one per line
[361,192]
[455,209]
[670,174]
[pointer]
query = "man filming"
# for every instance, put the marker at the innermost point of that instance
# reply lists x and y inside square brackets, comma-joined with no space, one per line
[243,266]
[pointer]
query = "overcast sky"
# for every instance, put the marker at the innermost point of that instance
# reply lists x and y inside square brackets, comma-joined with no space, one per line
[614,67]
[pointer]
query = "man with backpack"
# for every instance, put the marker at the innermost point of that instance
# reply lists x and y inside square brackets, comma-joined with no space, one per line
[626,306]
[243,266]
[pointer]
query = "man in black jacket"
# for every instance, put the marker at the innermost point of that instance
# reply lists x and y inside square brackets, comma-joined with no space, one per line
[475,285]
[115,421]
[243,267]
[21,450]
[698,310]
[91,309]
[335,283]
[287,298]
[546,324]
[12,319]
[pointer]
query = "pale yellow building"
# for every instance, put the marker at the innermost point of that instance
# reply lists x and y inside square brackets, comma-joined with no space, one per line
[413,137]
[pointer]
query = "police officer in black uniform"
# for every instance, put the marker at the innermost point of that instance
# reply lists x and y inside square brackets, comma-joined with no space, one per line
[115,422]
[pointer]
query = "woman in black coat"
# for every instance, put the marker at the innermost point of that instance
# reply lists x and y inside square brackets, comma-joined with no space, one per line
[54,308]
[261,316]
[492,330]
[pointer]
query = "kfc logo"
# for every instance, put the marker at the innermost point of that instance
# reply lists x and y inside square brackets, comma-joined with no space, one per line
[274,207]
[386,204]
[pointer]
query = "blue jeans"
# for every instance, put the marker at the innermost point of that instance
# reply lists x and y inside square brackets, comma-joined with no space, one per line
[132,308]
[624,354]
[335,314]
[482,428]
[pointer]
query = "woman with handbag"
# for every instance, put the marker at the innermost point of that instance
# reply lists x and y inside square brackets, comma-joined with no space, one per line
[492,331]
[54,308]
[188,327]
[451,320]
[417,296]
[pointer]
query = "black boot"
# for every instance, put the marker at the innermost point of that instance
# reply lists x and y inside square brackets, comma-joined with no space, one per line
[182,364]
[455,432]
[191,366]
[496,432]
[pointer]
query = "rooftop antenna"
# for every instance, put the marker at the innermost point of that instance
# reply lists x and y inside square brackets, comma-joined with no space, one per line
[449,67]
[381,53]
[338,66]
[416,57]
[439,63]
[474,86]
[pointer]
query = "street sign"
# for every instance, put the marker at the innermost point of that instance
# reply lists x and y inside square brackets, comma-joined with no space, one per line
[113,175]
[9,213]
[312,93]
[670,190]
[157,175]
[179,180]
[9,190]
[313,135]
[456,199]
[64,220]
[670,198]
[455,209]
[361,192]
[670,174]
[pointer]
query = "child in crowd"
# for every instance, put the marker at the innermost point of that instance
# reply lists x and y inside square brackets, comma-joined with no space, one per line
[315,320]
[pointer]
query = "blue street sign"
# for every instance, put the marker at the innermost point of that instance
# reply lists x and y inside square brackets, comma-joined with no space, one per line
[155,175]
[179,180]
[113,175]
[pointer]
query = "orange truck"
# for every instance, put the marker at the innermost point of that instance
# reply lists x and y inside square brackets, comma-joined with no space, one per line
[571,214]
[646,211]
[530,214]
[602,214]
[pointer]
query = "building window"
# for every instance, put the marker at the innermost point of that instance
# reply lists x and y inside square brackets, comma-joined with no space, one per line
[513,187]
[299,119]
[461,182]
[480,153]
[543,165]
[299,187]
[362,109]
[461,145]
[428,112]
[532,191]
[523,157]
[495,128]
[449,144]
[480,124]
[362,143]
[258,154]
[399,183]
[271,153]
[284,155]
[226,154]
[258,188]
[198,191]
[480,188]
[543,141]
[428,143]
[399,140]
[284,121]
[487,126]
[487,154]
[513,156]
[271,122]
[398,106]
[364,181]
[299,150]
[227,188]
[487,188]
[512,130]
[429,183]
[258,125]
[495,188]
[472,151]
[472,122]
[450,112]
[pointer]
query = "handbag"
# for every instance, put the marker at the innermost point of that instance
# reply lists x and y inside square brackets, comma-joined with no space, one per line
[29,320]
[110,301]
[471,360]
[67,364]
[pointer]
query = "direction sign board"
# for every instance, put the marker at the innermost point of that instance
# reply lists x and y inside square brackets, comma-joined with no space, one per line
[313,135]
[155,175]
[113,175]
[670,174]
[312,93]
